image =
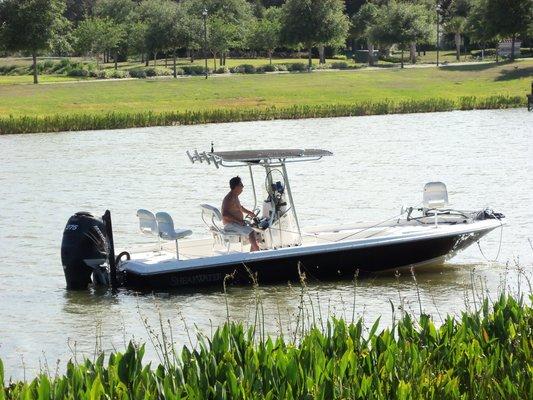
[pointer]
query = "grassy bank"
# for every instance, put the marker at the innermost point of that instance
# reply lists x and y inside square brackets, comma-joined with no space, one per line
[119,120]
[121,104]
[485,354]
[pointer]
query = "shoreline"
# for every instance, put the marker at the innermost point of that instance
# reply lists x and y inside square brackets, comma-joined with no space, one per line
[122,120]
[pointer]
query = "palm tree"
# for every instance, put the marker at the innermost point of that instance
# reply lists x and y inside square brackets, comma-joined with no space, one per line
[457,26]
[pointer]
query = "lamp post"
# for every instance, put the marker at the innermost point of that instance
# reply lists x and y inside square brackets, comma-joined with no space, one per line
[438,32]
[204,16]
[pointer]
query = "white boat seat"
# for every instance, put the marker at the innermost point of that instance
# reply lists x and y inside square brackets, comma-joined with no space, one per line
[435,195]
[213,220]
[147,223]
[165,226]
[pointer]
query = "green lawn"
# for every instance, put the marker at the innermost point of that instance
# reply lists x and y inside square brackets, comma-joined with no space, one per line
[28,79]
[262,90]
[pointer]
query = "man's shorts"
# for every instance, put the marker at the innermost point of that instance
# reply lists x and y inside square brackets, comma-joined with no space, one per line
[243,230]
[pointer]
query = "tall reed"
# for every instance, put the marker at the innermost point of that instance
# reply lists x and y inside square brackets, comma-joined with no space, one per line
[119,120]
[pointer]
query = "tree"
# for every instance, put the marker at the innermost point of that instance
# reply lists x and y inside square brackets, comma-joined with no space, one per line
[29,25]
[120,13]
[97,36]
[455,21]
[228,23]
[401,24]
[361,25]
[266,32]
[477,25]
[62,38]
[158,17]
[78,10]
[457,26]
[510,18]
[221,37]
[314,23]
[136,33]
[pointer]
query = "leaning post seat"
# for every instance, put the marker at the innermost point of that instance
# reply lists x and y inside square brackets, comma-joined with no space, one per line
[148,225]
[435,197]
[213,220]
[165,226]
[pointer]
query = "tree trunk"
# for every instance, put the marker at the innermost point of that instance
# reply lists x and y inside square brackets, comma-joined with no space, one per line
[221,59]
[513,40]
[321,54]
[174,62]
[225,55]
[146,62]
[270,56]
[215,61]
[402,59]
[34,58]
[483,51]
[155,58]
[310,60]
[166,60]
[458,46]
[142,58]
[412,52]
[116,60]
[370,53]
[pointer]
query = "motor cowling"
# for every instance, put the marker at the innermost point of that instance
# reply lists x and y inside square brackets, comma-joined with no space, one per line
[84,249]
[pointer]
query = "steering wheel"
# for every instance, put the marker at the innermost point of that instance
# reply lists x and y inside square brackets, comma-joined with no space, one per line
[253,220]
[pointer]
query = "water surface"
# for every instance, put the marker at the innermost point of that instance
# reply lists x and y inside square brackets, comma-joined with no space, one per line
[380,164]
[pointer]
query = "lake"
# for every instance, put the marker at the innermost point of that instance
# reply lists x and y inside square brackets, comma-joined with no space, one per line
[380,164]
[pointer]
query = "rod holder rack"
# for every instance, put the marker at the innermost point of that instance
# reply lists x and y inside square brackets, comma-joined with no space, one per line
[202,157]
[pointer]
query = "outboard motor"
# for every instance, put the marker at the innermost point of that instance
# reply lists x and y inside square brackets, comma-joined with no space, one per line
[84,250]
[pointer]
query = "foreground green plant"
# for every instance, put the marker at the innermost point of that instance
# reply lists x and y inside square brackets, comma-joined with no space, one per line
[118,120]
[486,354]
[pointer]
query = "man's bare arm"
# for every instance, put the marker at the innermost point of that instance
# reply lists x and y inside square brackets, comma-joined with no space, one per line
[246,211]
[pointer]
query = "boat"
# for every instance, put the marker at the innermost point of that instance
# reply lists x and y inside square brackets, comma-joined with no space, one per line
[418,237]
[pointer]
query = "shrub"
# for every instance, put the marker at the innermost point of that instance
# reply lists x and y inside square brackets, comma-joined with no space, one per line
[281,67]
[64,62]
[48,64]
[157,71]
[137,73]
[193,70]
[244,69]
[324,66]
[98,74]
[117,74]
[7,69]
[269,68]
[340,65]
[297,67]
[339,57]
[222,70]
[78,72]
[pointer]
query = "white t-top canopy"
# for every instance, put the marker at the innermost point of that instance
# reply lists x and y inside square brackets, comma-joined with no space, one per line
[270,154]
[262,157]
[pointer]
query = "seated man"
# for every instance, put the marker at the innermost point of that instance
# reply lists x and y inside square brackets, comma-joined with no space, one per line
[232,213]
